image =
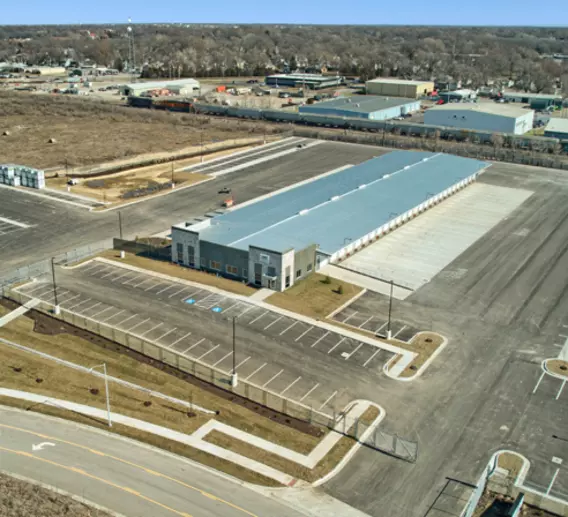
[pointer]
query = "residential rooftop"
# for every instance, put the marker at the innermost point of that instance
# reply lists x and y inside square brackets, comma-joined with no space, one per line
[344,205]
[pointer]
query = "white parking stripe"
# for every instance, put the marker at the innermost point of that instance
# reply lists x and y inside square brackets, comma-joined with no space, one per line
[538,382]
[208,352]
[303,334]
[194,345]
[365,322]
[308,393]
[354,351]
[136,277]
[180,339]
[287,329]
[256,371]
[39,287]
[113,315]
[320,339]
[112,272]
[273,377]
[560,390]
[242,362]
[115,278]
[89,267]
[371,358]
[73,298]
[91,307]
[381,327]
[153,328]
[336,345]
[137,325]
[258,317]
[349,317]
[166,288]
[246,310]
[152,286]
[177,292]
[275,321]
[125,320]
[327,401]
[403,327]
[143,282]
[234,305]
[289,386]
[223,358]
[194,293]
[102,312]
[164,335]
[80,303]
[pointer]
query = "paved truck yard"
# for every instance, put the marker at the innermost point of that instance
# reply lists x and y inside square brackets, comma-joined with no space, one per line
[501,300]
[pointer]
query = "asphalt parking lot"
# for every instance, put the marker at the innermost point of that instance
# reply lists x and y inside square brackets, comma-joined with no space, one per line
[10,225]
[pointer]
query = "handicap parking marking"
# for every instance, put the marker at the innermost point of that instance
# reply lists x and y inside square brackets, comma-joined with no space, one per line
[190,301]
[217,309]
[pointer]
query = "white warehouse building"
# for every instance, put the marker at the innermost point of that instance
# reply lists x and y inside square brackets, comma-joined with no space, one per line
[493,117]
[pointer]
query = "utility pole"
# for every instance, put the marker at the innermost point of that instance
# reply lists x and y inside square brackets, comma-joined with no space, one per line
[234,378]
[56,308]
[389,331]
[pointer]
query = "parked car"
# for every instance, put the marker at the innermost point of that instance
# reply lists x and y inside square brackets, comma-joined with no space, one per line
[225,190]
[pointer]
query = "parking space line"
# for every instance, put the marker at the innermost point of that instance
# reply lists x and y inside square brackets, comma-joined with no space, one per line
[403,327]
[177,292]
[365,322]
[90,266]
[371,358]
[287,329]
[194,345]
[538,382]
[143,282]
[381,327]
[308,393]
[258,317]
[153,328]
[137,325]
[166,288]
[115,278]
[246,310]
[326,402]
[102,312]
[131,279]
[193,294]
[289,386]
[164,335]
[303,334]
[560,390]
[152,286]
[256,371]
[39,287]
[92,307]
[80,303]
[242,362]
[270,324]
[202,300]
[180,339]
[336,345]
[354,351]
[125,320]
[72,298]
[320,339]
[222,359]
[349,317]
[112,272]
[273,377]
[97,269]
[234,305]
[113,315]
[208,352]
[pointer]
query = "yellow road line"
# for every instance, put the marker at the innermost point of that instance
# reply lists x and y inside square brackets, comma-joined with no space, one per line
[96,478]
[126,462]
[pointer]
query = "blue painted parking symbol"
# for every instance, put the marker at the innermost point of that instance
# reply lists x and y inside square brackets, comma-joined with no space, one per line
[216,309]
[191,301]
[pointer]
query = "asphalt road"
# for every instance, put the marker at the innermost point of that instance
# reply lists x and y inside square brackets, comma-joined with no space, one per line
[56,227]
[123,475]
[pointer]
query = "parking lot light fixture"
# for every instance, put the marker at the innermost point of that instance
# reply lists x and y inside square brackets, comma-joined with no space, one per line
[234,377]
[56,308]
[389,330]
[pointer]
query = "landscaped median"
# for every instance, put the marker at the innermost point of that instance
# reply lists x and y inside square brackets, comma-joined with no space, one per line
[29,372]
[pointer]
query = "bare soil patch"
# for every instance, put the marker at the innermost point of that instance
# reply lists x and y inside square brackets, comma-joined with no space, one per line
[510,462]
[558,366]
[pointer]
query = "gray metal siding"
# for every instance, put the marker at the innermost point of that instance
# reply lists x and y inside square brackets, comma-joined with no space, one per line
[226,256]
[302,259]
[471,120]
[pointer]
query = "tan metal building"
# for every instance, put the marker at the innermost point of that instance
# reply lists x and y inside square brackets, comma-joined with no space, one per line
[399,87]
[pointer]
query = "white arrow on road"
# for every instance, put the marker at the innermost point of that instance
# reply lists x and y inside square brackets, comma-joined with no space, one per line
[42,445]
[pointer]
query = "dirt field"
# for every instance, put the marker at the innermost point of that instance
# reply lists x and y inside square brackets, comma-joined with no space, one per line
[22,499]
[87,131]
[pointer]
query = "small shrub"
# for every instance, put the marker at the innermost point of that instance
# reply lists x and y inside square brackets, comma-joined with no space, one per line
[340,289]
[327,280]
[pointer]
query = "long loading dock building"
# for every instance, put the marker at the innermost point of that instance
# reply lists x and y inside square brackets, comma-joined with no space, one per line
[284,237]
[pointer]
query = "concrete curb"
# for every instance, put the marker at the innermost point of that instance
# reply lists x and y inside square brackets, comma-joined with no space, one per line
[76,498]
[346,304]
[428,361]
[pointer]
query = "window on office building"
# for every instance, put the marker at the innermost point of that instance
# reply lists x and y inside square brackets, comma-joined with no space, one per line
[309,268]
[213,264]
[232,270]
[191,256]
[203,262]
[298,273]
[179,254]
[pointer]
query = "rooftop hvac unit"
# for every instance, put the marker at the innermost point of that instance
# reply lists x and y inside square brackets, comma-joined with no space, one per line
[362,186]
[334,198]
[303,212]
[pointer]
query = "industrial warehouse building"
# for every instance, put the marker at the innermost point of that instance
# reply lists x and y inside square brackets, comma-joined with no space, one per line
[498,118]
[537,101]
[178,87]
[312,81]
[364,106]
[283,237]
[557,128]
[399,87]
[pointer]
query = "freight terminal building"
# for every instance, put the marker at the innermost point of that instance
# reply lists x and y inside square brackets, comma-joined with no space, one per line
[363,106]
[283,237]
[312,81]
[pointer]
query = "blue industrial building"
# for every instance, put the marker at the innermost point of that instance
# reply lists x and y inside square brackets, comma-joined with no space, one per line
[370,107]
[283,237]
[306,81]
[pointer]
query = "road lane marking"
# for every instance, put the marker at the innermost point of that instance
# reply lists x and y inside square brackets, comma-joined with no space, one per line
[180,339]
[273,377]
[303,334]
[222,359]
[320,339]
[208,352]
[309,392]
[258,317]
[290,385]
[287,329]
[256,371]
[275,321]
[326,402]
[194,345]
[371,358]
[336,345]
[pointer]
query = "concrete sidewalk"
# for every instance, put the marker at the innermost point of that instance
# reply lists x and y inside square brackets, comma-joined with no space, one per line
[20,311]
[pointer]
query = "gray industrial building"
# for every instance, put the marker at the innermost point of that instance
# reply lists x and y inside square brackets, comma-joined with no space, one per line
[536,100]
[486,116]
[177,86]
[557,128]
[283,237]
[311,81]
[364,106]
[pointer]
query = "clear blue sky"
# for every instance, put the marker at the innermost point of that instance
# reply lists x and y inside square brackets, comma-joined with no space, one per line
[375,12]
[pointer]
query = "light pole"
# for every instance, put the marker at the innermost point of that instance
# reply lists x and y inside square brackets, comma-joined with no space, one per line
[104,367]
[389,331]
[201,137]
[56,308]
[234,377]
[122,254]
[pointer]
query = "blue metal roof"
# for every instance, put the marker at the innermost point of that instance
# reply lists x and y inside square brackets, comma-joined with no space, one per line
[347,204]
